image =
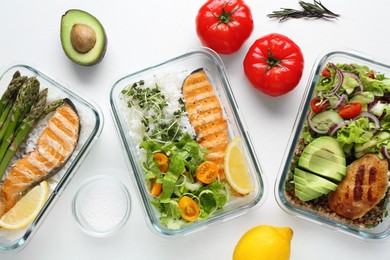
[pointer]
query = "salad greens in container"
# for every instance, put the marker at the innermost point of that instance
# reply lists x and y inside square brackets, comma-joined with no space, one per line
[178,122]
[336,167]
[32,127]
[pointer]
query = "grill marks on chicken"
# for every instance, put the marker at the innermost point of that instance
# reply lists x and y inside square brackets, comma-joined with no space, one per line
[205,115]
[363,187]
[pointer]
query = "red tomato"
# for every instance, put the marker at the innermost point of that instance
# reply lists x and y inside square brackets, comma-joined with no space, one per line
[326,72]
[350,110]
[224,25]
[274,64]
[317,106]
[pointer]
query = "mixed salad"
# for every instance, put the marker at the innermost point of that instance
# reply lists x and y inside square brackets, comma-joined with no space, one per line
[170,155]
[350,106]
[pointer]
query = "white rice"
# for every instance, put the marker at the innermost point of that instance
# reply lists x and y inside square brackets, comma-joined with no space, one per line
[170,86]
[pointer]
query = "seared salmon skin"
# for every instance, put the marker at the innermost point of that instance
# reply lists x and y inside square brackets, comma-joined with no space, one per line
[54,147]
[205,115]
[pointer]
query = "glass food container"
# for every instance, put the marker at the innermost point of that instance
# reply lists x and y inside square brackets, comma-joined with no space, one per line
[288,186]
[91,124]
[180,67]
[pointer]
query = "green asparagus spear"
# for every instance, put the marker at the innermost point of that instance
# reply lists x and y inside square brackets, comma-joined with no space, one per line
[26,97]
[29,122]
[5,113]
[13,87]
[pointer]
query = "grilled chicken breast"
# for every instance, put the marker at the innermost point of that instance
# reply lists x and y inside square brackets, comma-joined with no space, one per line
[54,147]
[205,115]
[364,185]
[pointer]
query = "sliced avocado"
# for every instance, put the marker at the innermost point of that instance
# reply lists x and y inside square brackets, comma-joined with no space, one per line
[302,195]
[313,181]
[324,120]
[327,143]
[323,167]
[312,193]
[83,37]
[326,154]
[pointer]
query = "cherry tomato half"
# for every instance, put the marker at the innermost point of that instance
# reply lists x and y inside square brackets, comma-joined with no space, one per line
[207,172]
[350,110]
[317,106]
[224,25]
[274,64]
[326,72]
[189,208]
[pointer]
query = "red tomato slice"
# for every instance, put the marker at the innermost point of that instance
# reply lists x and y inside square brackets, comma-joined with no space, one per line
[317,106]
[274,64]
[350,110]
[326,72]
[224,25]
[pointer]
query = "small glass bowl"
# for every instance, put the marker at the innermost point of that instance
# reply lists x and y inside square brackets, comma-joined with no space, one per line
[101,206]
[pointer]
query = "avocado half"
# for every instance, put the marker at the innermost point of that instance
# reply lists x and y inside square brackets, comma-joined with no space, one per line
[83,37]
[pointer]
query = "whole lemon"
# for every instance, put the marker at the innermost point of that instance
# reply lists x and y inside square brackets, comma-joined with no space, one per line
[264,242]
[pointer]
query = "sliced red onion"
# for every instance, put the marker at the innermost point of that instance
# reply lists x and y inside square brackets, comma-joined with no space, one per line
[339,75]
[370,116]
[385,152]
[341,102]
[310,123]
[333,129]
[353,75]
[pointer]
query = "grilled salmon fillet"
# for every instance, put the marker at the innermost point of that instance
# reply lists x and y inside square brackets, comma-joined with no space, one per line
[364,185]
[54,147]
[205,115]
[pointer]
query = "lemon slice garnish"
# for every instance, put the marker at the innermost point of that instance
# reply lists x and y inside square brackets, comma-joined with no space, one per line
[26,209]
[236,168]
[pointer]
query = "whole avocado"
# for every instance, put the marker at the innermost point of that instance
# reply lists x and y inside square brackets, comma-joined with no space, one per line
[83,37]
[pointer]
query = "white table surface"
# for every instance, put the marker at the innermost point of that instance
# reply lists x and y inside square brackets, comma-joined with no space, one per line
[143,33]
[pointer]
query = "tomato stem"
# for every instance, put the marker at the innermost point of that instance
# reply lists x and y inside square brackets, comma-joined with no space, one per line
[225,16]
[272,61]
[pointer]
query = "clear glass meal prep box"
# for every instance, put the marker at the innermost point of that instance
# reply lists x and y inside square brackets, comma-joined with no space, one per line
[185,64]
[337,56]
[91,124]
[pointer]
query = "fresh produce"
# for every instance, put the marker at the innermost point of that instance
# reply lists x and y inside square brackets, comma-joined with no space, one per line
[315,10]
[264,242]
[189,208]
[54,147]
[26,209]
[181,135]
[237,173]
[173,159]
[340,164]
[274,64]
[23,106]
[224,25]
[83,37]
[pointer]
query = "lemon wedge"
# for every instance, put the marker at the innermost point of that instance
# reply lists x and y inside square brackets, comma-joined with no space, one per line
[26,209]
[236,168]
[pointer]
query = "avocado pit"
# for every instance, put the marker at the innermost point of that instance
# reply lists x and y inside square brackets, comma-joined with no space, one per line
[83,38]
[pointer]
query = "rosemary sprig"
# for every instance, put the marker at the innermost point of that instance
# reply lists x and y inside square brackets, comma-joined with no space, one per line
[315,10]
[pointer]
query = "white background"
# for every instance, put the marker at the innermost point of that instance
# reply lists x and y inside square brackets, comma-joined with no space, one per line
[143,33]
